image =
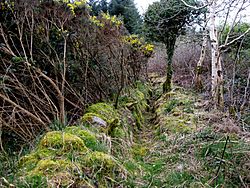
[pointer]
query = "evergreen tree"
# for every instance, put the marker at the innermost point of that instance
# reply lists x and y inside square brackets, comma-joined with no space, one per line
[98,6]
[128,11]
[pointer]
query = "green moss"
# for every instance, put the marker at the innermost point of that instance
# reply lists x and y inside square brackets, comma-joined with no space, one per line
[88,137]
[102,117]
[28,162]
[118,132]
[175,112]
[57,172]
[100,160]
[139,151]
[62,141]
[104,111]
[44,153]
[49,167]
[135,99]
[138,105]
[101,168]
[88,117]
[176,125]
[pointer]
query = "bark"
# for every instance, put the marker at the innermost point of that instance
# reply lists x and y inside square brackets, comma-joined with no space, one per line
[246,91]
[170,44]
[199,68]
[217,74]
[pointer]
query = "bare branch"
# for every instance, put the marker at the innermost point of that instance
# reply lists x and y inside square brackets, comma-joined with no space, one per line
[194,7]
[234,40]
[37,119]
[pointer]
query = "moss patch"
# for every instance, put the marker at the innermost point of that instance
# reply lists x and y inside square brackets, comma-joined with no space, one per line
[104,111]
[49,167]
[102,168]
[62,159]
[64,141]
[87,136]
[101,117]
[137,103]
[100,159]
[30,161]
[175,113]
[139,151]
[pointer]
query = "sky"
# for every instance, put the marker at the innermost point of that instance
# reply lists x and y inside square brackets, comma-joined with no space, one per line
[142,5]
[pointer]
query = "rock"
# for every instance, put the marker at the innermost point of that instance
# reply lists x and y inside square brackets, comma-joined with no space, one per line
[99,121]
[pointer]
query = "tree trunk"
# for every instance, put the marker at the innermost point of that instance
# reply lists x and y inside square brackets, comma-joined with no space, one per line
[217,76]
[199,68]
[170,44]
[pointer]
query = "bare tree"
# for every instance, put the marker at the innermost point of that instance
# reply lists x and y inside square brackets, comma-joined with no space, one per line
[230,12]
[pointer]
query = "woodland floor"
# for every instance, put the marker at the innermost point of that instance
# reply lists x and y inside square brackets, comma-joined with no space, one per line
[214,152]
[181,143]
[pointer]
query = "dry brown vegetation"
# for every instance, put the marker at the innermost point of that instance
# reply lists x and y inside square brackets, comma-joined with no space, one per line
[56,60]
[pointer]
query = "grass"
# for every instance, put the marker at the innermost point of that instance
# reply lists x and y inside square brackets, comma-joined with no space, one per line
[175,147]
[198,158]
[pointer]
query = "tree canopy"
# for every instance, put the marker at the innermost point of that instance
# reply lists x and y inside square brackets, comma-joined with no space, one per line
[127,9]
[164,22]
[98,6]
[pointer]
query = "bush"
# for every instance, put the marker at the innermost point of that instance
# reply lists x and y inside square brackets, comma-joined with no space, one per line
[67,60]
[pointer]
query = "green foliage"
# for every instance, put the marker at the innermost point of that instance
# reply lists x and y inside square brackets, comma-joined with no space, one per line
[74,55]
[17,59]
[171,105]
[179,179]
[56,125]
[164,21]
[138,44]
[238,30]
[129,13]
[211,152]
[98,6]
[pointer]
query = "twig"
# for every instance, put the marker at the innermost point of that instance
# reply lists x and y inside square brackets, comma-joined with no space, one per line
[241,180]
[223,153]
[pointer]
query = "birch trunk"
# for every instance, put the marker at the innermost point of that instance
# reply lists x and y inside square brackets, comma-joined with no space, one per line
[217,76]
[199,69]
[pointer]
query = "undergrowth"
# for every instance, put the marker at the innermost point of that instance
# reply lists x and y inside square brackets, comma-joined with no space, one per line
[163,141]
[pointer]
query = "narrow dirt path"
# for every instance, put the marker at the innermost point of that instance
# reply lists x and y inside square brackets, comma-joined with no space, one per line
[183,146]
[152,163]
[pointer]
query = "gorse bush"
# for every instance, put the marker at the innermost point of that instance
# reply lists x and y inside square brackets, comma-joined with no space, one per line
[56,59]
